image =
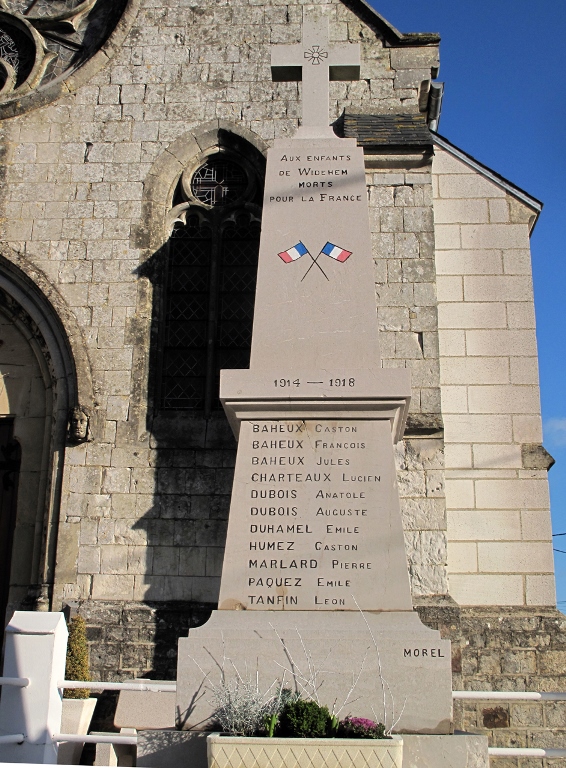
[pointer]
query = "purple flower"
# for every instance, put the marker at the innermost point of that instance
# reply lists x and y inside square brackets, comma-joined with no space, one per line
[361,728]
[360,722]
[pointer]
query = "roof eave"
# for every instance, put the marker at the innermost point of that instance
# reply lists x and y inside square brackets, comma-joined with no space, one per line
[488,173]
[390,33]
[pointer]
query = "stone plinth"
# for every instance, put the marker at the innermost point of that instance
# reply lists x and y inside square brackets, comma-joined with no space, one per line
[145,709]
[343,646]
[170,749]
[460,750]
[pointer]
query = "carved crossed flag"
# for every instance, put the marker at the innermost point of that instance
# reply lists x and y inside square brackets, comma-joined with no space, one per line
[335,252]
[293,253]
[329,249]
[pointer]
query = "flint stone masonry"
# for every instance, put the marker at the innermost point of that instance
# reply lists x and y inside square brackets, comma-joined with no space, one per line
[506,649]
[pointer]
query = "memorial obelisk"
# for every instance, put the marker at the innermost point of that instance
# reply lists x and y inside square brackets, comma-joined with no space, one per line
[315,555]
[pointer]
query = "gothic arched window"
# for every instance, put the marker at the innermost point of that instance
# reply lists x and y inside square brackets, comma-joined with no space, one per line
[210,282]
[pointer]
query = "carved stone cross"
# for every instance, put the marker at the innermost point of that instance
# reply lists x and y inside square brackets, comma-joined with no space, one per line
[315,62]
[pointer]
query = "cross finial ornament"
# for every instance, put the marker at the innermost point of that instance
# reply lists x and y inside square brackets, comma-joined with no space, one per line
[315,61]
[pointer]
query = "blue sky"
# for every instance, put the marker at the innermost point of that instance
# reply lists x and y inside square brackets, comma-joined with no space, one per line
[504,65]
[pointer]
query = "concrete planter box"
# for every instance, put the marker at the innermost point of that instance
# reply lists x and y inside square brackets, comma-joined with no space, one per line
[76,717]
[263,752]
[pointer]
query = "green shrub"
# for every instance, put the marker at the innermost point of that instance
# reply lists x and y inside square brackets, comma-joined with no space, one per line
[76,667]
[274,708]
[304,720]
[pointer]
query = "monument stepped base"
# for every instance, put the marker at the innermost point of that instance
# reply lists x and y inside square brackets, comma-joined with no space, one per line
[385,650]
[515,648]
[169,749]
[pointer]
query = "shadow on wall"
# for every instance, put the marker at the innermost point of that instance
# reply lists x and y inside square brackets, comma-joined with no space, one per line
[184,528]
[172,468]
[202,314]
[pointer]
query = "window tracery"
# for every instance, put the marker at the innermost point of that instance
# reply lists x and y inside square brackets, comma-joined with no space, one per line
[219,181]
[42,40]
[210,281]
[9,51]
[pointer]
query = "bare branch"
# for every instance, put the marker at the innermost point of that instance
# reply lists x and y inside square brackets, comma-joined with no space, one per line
[379,667]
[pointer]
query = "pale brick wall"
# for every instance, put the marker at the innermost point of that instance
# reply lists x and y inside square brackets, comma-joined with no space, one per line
[499,536]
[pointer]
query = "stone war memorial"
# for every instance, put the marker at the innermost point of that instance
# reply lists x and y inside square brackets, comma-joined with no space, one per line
[270,386]
[314,532]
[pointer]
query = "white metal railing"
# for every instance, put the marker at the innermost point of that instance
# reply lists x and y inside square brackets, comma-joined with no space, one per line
[34,678]
[12,738]
[516,696]
[109,738]
[172,688]
[17,682]
[129,686]
[97,738]
[525,752]
[509,695]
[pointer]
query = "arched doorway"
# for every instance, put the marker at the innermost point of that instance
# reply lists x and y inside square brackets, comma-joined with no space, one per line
[26,400]
[10,459]
[39,353]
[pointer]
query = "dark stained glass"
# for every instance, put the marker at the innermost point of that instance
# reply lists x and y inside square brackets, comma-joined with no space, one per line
[209,305]
[219,181]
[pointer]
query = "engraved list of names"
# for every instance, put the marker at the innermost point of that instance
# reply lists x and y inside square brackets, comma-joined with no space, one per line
[311,501]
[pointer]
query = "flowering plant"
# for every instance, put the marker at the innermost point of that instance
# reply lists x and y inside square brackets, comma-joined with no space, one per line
[361,728]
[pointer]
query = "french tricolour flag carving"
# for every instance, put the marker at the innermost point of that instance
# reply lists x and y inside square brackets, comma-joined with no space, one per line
[294,253]
[335,252]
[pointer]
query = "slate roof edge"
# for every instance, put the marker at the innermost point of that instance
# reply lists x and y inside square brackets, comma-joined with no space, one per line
[488,173]
[391,33]
[419,133]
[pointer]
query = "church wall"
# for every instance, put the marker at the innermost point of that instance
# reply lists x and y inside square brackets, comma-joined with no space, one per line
[499,536]
[400,205]
[144,506]
[145,502]
[518,648]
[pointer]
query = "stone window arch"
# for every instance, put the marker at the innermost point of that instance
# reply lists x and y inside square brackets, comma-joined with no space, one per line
[209,281]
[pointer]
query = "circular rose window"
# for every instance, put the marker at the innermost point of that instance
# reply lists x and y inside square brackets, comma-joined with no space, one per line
[42,41]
